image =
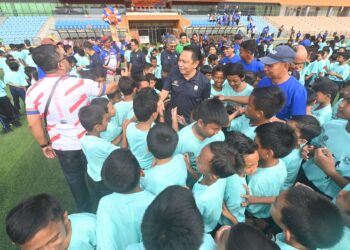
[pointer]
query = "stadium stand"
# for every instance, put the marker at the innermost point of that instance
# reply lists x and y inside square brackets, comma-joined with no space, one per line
[17,29]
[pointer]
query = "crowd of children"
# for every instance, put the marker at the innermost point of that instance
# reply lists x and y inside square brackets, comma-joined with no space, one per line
[239,174]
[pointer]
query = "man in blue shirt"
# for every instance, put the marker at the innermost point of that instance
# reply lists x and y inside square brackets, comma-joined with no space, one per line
[306,42]
[169,57]
[277,64]
[249,62]
[137,60]
[188,86]
[229,52]
[238,39]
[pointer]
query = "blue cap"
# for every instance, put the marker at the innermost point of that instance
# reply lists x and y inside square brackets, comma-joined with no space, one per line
[279,54]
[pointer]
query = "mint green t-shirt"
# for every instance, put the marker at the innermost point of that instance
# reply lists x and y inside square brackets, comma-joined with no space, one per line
[16,79]
[96,150]
[214,92]
[113,130]
[334,137]
[159,177]
[137,140]
[83,231]
[241,124]
[323,115]
[122,110]
[119,218]
[266,182]
[293,163]
[189,143]
[209,201]
[232,197]
[2,89]
[229,91]
[343,70]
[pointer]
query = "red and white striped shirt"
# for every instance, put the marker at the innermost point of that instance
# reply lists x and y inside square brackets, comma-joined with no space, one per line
[71,94]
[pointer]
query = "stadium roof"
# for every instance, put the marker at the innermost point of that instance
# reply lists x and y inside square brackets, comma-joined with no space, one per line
[345,3]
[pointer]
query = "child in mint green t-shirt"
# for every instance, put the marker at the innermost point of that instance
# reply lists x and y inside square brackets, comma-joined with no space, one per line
[215,162]
[96,149]
[326,91]
[119,215]
[168,169]
[146,112]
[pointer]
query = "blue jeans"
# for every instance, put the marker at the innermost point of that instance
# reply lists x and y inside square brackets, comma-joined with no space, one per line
[18,92]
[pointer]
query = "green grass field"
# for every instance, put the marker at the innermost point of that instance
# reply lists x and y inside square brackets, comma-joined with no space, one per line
[24,171]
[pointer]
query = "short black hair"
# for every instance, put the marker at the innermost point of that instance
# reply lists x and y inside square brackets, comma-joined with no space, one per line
[88,45]
[325,86]
[234,69]
[226,160]
[162,141]
[173,221]
[102,102]
[66,47]
[13,65]
[246,237]
[121,171]
[135,41]
[126,85]
[212,58]
[314,221]
[219,68]
[32,215]
[278,137]
[269,100]
[311,96]
[150,77]
[308,126]
[46,57]
[195,53]
[147,66]
[153,57]
[182,34]
[93,73]
[249,45]
[250,77]
[72,60]
[115,96]
[213,111]
[145,104]
[90,116]
[206,69]
[240,142]
[80,52]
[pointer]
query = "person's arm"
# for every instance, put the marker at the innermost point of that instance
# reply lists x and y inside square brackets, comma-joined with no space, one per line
[174,122]
[124,139]
[324,160]
[237,99]
[228,215]
[250,199]
[36,127]
[190,170]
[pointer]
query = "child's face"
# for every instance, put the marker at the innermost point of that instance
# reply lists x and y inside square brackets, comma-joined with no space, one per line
[208,75]
[212,51]
[251,163]
[204,159]
[263,152]
[214,63]
[251,112]
[152,84]
[154,63]
[111,110]
[143,84]
[322,98]
[343,200]
[164,74]
[340,59]
[52,237]
[219,79]
[208,130]
[103,125]
[344,108]
[234,81]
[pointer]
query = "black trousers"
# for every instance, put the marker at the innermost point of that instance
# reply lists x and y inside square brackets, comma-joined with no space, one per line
[73,164]
[97,190]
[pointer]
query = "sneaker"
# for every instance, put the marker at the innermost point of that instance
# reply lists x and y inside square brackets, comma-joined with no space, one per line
[16,123]
[7,130]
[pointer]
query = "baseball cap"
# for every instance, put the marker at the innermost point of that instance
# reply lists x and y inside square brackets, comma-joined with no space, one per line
[104,39]
[228,44]
[281,53]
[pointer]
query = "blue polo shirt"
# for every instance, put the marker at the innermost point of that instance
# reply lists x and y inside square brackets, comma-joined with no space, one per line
[234,59]
[138,61]
[295,94]
[186,94]
[306,43]
[168,58]
[255,66]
